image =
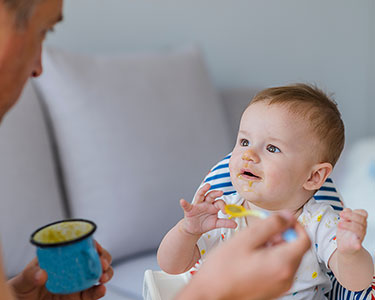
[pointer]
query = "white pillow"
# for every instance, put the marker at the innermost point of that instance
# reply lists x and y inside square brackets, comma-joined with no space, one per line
[30,194]
[135,134]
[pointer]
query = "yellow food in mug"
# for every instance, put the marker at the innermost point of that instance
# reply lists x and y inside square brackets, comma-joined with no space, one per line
[63,232]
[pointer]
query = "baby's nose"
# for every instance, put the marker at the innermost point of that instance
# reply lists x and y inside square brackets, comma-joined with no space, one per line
[250,155]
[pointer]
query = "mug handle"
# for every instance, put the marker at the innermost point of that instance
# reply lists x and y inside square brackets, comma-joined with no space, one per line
[94,266]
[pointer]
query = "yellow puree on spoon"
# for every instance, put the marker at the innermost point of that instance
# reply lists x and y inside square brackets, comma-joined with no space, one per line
[237,211]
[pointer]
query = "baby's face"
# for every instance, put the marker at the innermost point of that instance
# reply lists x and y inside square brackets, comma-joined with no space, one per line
[273,157]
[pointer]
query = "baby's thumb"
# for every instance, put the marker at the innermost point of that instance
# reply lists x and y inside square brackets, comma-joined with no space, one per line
[30,278]
[186,206]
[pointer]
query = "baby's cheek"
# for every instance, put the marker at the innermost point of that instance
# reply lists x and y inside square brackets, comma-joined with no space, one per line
[236,182]
[233,170]
[274,179]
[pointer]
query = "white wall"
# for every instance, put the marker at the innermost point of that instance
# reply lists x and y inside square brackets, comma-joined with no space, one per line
[371,89]
[253,43]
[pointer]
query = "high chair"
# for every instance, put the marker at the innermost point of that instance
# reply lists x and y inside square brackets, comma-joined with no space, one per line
[158,285]
[162,286]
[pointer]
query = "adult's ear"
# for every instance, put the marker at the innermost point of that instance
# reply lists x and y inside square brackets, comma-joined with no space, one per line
[318,176]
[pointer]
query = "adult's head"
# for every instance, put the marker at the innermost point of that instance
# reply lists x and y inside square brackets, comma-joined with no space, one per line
[23,28]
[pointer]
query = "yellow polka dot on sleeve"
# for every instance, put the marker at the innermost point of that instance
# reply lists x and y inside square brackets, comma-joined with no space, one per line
[203,251]
[314,275]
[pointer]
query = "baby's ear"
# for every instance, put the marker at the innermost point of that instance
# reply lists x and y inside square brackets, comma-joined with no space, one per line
[318,176]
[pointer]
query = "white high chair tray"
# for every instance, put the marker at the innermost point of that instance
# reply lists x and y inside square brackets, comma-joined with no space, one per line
[158,285]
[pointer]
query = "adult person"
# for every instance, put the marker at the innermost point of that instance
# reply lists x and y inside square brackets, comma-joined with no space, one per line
[23,27]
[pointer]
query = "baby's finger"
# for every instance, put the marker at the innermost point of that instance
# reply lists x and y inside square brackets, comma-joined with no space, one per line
[357,216]
[186,206]
[225,223]
[345,212]
[361,212]
[211,196]
[199,197]
[358,229]
[220,204]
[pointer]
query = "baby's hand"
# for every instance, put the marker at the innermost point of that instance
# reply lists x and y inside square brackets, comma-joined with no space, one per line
[201,216]
[351,230]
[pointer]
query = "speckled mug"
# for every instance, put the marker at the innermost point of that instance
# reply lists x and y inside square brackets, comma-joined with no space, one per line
[72,264]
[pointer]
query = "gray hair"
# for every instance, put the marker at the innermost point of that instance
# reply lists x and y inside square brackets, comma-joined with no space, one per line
[22,9]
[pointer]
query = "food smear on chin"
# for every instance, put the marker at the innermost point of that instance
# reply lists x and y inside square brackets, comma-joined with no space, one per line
[248,188]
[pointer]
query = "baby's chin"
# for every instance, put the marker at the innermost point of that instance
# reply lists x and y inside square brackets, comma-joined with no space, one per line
[251,195]
[246,189]
[257,200]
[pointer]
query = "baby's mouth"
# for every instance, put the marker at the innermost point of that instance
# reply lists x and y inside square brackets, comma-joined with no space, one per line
[246,174]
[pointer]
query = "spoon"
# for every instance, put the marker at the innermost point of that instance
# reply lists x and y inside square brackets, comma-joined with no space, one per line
[238,211]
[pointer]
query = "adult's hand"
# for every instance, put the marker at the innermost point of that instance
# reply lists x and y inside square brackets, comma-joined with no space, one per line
[254,264]
[30,283]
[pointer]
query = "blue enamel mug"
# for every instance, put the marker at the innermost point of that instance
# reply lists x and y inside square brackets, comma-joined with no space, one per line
[67,252]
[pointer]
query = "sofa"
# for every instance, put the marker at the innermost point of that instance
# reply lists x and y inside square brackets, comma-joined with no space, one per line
[115,139]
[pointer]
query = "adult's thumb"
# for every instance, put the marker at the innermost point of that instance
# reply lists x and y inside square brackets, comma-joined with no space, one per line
[263,230]
[31,278]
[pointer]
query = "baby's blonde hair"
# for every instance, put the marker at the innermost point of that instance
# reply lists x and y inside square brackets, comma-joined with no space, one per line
[313,105]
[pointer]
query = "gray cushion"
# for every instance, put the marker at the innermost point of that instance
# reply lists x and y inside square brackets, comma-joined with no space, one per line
[135,134]
[30,194]
[128,275]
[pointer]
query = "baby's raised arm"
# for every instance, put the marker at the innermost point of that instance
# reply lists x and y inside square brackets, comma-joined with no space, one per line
[178,252]
[351,263]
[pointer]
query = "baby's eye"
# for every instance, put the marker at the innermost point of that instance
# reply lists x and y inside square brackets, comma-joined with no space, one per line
[272,149]
[244,142]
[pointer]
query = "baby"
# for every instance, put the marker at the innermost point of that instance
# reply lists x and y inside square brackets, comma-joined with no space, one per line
[289,139]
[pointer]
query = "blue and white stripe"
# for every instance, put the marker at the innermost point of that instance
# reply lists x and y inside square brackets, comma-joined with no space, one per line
[340,293]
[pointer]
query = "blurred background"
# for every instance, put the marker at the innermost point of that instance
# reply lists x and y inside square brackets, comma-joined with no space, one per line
[56,154]
[246,43]
[253,44]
